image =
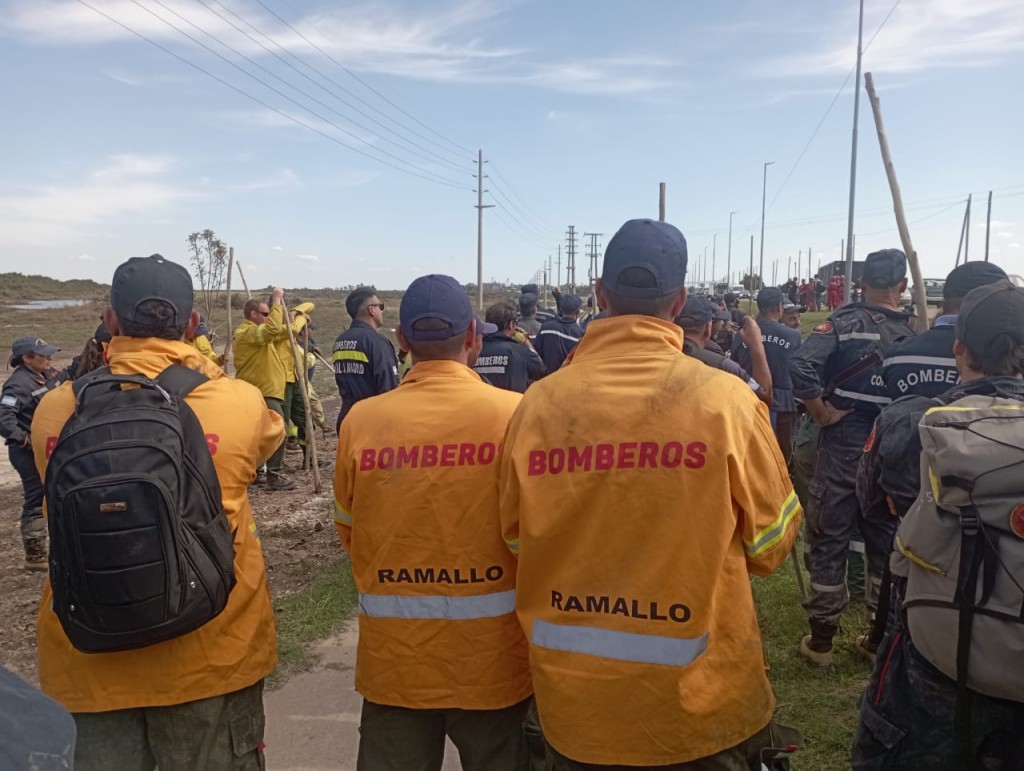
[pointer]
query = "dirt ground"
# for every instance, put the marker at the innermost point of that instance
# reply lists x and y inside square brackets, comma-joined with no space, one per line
[295,528]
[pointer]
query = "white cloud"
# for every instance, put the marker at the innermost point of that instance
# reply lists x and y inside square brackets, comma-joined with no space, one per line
[277,248]
[84,258]
[126,185]
[435,42]
[284,178]
[312,258]
[919,36]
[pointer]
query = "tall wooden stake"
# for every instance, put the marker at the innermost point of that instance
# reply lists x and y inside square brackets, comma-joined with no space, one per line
[661,201]
[963,232]
[988,223]
[300,378]
[242,276]
[920,298]
[226,358]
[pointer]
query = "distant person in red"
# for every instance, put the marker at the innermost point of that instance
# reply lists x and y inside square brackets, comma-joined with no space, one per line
[806,294]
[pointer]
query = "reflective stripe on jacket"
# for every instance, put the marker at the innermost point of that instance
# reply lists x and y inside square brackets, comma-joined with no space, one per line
[416,506]
[639,488]
[239,646]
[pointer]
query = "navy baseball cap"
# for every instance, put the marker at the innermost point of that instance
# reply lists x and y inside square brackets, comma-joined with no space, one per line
[528,300]
[35,345]
[697,312]
[484,327]
[655,247]
[153,278]
[963,278]
[435,297]
[991,312]
[569,303]
[884,269]
[770,297]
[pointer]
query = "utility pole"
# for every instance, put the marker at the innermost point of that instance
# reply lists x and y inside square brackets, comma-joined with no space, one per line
[570,265]
[808,263]
[988,223]
[728,259]
[480,176]
[848,286]
[592,256]
[751,274]
[714,247]
[967,235]
[963,230]
[764,189]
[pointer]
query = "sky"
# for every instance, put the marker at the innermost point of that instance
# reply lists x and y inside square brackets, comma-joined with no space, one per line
[335,143]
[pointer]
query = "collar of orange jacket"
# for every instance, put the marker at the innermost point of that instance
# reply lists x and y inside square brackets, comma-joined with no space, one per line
[440,368]
[152,355]
[616,335]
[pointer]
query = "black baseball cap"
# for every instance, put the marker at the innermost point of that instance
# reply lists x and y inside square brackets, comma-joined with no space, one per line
[35,345]
[788,307]
[884,269]
[990,312]
[963,278]
[142,279]
[731,298]
[697,312]
[527,300]
[569,303]
[770,297]
[656,247]
[435,297]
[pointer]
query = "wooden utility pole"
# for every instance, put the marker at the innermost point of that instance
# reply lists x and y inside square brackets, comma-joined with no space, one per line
[661,201]
[963,232]
[226,357]
[848,285]
[920,297]
[988,224]
[967,234]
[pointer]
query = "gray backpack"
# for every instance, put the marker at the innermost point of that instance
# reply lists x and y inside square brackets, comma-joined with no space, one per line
[961,545]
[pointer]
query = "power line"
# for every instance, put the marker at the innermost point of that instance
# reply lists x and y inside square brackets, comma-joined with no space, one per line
[539,237]
[539,219]
[277,91]
[521,234]
[362,82]
[262,103]
[424,151]
[545,232]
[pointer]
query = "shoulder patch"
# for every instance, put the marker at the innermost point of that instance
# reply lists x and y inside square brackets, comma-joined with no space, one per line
[871,438]
[1017,520]
[823,328]
[9,401]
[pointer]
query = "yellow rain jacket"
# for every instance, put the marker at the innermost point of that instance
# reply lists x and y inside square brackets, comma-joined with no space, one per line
[239,646]
[258,353]
[416,506]
[639,488]
[283,345]
[202,344]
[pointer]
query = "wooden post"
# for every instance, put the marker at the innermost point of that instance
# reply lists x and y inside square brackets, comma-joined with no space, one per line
[300,378]
[920,298]
[661,201]
[230,333]
[311,455]
[967,233]
[242,276]
[963,232]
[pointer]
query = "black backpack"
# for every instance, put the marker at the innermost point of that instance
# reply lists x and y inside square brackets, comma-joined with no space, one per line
[140,547]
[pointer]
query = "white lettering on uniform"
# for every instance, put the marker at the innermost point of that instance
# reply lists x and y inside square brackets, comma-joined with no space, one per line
[491,361]
[938,375]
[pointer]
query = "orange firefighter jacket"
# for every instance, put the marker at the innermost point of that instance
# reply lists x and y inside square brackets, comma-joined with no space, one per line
[639,487]
[239,646]
[416,506]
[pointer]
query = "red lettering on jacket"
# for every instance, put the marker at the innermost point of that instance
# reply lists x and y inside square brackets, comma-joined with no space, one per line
[671,455]
[648,455]
[407,456]
[429,456]
[488,452]
[367,459]
[466,454]
[51,445]
[626,453]
[448,454]
[556,460]
[211,442]
[386,458]
[605,457]
[537,463]
[695,454]
[580,459]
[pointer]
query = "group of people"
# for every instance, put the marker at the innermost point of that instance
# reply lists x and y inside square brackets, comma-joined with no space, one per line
[551,527]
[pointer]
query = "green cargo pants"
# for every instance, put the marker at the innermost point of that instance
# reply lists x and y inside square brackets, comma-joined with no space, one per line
[222,732]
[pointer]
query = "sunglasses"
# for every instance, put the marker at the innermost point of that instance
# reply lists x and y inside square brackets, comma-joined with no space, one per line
[376,305]
[264,315]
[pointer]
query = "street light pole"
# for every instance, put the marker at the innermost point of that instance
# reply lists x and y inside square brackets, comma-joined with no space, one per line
[764,189]
[728,259]
[848,286]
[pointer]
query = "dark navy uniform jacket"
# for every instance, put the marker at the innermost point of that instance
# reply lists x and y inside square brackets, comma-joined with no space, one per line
[719,361]
[20,397]
[507,364]
[530,325]
[780,343]
[842,359]
[365,364]
[922,365]
[555,339]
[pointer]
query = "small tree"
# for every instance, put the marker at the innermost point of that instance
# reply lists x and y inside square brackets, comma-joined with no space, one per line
[209,258]
[751,282]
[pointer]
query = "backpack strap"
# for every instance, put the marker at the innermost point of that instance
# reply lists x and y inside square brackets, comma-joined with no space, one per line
[971,555]
[79,384]
[180,380]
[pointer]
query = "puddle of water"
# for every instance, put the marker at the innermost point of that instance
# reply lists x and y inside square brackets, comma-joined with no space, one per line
[42,305]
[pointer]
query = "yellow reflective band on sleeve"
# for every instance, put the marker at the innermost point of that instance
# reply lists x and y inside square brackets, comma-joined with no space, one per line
[513,545]
[917,560]
[776,531]
[252,529]
[341,516]
[351,356]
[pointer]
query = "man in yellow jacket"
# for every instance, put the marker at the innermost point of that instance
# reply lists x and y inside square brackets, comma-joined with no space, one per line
[639,488]
[193,701]
[259,362]
[416,506]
